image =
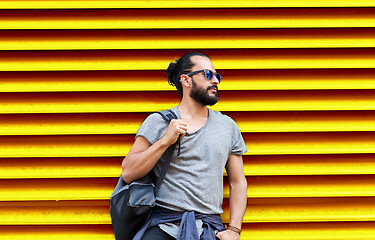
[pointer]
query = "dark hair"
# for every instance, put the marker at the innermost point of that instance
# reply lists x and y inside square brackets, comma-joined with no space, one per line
[179,67]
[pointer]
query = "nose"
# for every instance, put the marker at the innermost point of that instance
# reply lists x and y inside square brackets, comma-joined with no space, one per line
[215,80]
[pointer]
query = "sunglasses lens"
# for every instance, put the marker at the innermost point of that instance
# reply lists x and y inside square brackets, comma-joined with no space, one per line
[209,74]
[218,77]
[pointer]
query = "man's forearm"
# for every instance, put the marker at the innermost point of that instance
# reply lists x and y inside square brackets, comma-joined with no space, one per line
[238,202]
[136,165]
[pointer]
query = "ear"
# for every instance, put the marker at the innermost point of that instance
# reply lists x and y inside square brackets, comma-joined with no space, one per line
[185,81]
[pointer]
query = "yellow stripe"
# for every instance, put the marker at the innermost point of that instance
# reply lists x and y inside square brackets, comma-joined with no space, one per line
[55,212]
[52,189]
[308,210]
[157,60]
[26,168]
[188,18]
[258,187]
[304,231]
[117,146]
[305,121]
[294,165]
[144,102]
[308,186]
[187,39]
[269,231]
[60,146]
[156,80]
[312,143]
[255,231]
[178,4]
[85,81]
[126,123]
[64,124]
[317,186]
[96,212]
[97,232]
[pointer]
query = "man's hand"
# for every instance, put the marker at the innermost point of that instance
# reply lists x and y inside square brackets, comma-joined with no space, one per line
[228,235]
[143,155]
[177,127]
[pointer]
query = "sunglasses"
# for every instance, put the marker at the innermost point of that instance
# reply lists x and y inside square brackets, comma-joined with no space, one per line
[208,73]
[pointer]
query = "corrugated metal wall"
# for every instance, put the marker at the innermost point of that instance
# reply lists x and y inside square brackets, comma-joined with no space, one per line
[78,77]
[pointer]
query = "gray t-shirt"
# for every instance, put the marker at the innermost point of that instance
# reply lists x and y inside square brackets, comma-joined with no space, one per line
[194,180]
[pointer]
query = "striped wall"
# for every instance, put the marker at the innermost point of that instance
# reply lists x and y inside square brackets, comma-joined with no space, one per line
[78,77]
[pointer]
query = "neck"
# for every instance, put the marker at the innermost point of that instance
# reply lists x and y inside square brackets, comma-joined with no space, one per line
[189,108]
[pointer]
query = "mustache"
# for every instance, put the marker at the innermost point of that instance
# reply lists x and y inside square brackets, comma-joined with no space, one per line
[213,86]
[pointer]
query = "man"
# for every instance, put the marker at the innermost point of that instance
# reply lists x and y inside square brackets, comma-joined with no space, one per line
[210,141]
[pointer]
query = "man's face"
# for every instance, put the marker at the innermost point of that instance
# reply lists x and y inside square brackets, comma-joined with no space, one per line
[203,90]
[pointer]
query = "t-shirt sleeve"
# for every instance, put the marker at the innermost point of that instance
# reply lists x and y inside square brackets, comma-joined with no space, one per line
[152,128]
[238,143]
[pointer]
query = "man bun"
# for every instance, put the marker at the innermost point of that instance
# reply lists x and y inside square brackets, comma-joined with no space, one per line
[170,70]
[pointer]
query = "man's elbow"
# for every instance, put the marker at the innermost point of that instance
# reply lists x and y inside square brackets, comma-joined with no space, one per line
[126,176]
[126,172]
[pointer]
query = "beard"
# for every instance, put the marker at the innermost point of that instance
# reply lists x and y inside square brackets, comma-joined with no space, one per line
[201,96]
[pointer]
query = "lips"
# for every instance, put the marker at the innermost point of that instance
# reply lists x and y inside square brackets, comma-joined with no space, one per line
[213,88]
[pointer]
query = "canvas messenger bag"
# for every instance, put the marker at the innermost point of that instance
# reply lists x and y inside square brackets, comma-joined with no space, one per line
[131,204]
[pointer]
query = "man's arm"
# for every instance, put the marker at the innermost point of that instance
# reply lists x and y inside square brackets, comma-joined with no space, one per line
[143,156]
[238,195]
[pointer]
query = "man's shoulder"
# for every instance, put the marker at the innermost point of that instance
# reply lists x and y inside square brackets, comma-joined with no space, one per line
[221,116]
[157,117]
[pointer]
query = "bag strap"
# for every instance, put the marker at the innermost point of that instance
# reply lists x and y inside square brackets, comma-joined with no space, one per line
[168,115]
